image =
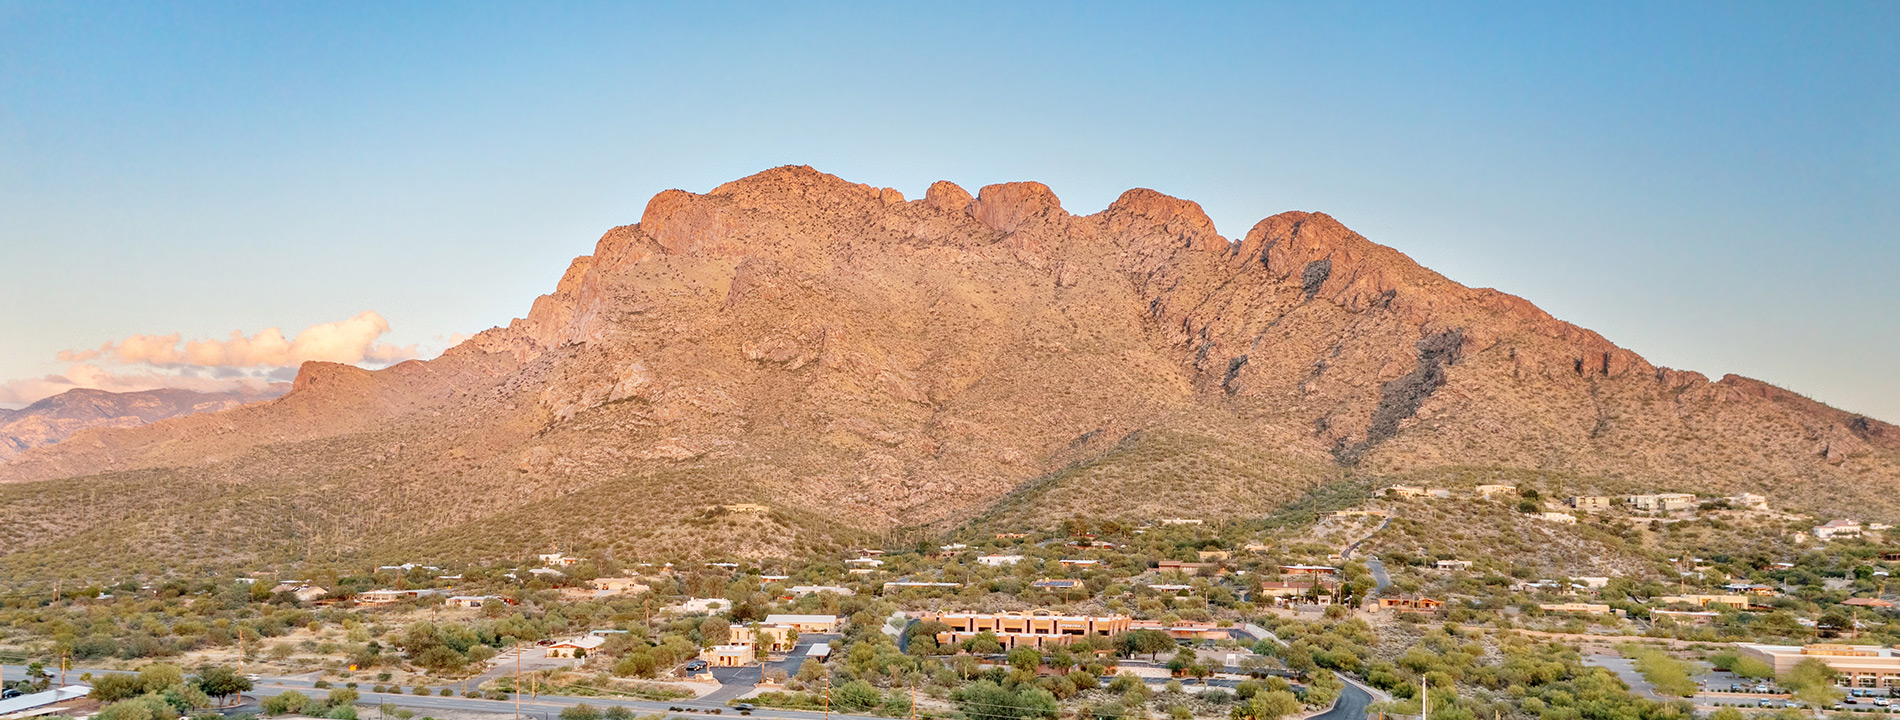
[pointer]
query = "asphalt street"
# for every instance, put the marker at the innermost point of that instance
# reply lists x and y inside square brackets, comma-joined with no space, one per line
[1378,573]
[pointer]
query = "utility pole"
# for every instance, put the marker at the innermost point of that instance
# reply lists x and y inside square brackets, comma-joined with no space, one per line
[517,687]
[827,695]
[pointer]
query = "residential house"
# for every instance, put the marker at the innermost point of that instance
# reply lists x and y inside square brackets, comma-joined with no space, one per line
[1837,528]
[1875,603]
[1410,603]
[1185,629]
[559,560]
[1172,589]
[1308,570]
[475,601]
[729,655]
[1739,602]
[1490,492]
[1589,503]
[996,560]
[1458,565]
[773,638]
[385,597]
[1080,564]
[576,647]
[1559,518]
[1748,501]
[1404,492]
[1055,584]
[1180,521]
[1664,502]
[1188,568]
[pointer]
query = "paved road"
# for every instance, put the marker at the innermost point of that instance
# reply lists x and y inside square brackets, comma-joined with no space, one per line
[1351,706]
[1347,553]
[1378,573]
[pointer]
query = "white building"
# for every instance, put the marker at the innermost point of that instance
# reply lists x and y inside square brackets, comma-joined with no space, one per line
[1838,528]
[1557,517]
[996,560]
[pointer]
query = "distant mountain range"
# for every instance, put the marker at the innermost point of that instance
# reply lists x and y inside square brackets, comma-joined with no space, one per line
[860,362]
[57,418]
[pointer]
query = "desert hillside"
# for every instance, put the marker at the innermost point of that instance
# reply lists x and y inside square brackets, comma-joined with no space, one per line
[859,361]
[56,418]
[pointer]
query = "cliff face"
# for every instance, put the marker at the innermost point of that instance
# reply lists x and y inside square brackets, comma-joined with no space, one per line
[841,353]
[58,417]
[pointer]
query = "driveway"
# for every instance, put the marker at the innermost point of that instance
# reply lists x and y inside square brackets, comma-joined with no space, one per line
[1625,670]
[1351,706]
[1378,573]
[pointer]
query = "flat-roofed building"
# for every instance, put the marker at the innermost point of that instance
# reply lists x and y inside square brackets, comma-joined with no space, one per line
[1739,602]
[1589,503]
[1490,491]
[1685,617]
[806,623]
[1576,608]
[1039,628]
[1859,666]
[1666,502]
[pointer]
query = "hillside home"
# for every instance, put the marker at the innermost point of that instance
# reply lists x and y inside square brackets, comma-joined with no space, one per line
[1080,564]
[1179,590]
[1663,502]
[1559,518]
[576,647]
[1748,501]
[1589,503]
[996,560]
[1458,565]
[1180,521]
[559,560]
[1410,603]
[1403,492]
[1838,528]
[1875,603]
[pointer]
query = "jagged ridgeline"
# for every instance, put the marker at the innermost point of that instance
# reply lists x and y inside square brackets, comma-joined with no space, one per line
[856,362]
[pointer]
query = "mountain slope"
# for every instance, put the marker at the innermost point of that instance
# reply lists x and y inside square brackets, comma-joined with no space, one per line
[61,416]
[859,361]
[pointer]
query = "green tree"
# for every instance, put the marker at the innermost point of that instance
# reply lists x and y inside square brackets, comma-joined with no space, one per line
[1026,659]
[287,702]
[219,682]
[114,687]
[1270,705]
[1812,682]
[856,696]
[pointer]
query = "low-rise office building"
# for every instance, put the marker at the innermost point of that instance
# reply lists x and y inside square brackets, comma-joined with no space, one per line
[1039,628]
[1860,666]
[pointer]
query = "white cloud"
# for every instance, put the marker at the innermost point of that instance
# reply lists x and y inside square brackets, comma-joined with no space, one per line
[241,362]
[351,341]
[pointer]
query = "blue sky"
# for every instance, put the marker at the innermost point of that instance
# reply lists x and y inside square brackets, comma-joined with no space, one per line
[1715,186]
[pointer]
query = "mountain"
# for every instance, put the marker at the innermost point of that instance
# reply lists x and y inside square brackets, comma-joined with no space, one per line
[58,417]
[861,362]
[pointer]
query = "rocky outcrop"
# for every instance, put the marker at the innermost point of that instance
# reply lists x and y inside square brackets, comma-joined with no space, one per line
[834,349]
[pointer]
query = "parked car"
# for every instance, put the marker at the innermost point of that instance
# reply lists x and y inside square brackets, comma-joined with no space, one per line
[1765,703]
[1882,702]
[9,694]
[695,666]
